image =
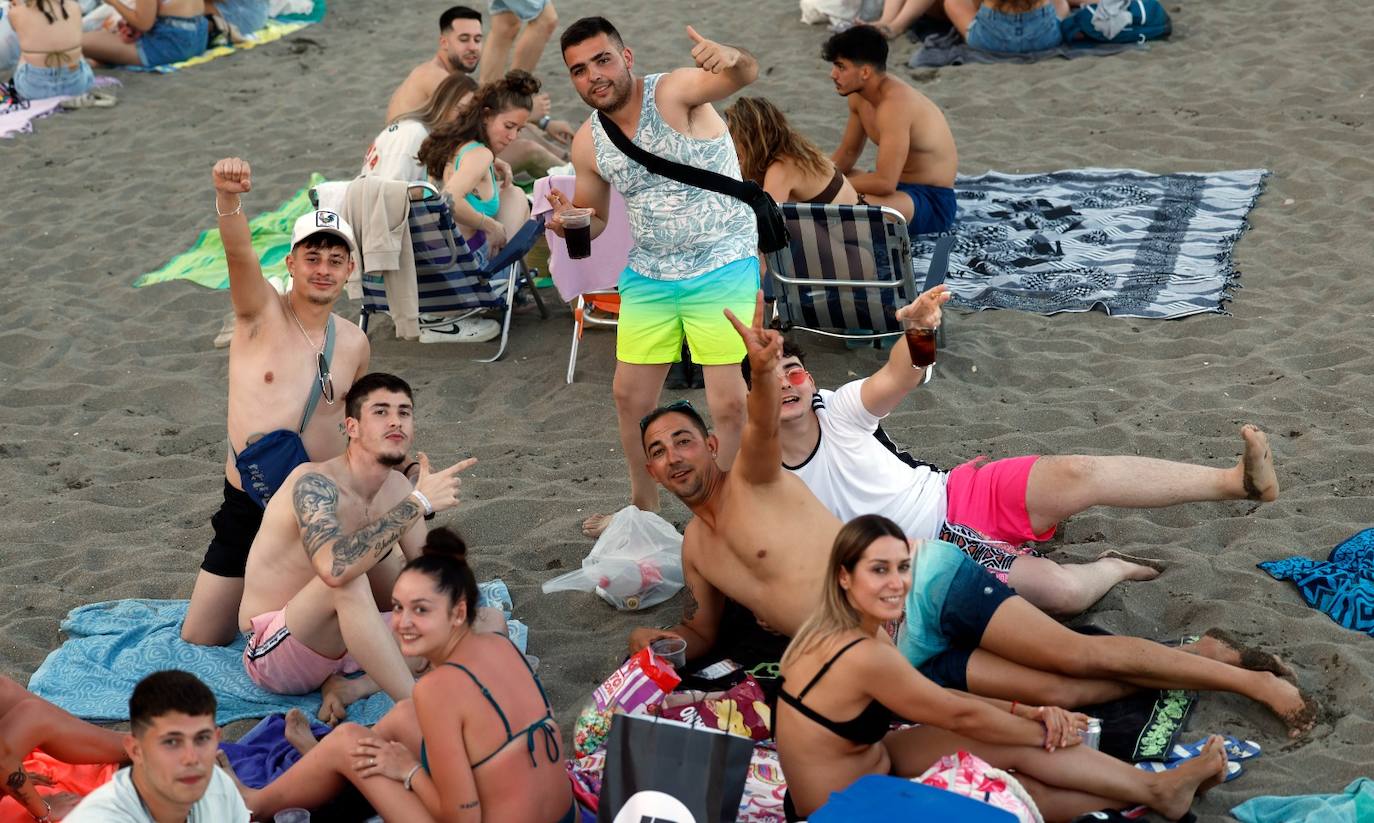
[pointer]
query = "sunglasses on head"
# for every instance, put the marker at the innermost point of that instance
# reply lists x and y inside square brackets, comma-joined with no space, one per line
[326,384]
[675,406]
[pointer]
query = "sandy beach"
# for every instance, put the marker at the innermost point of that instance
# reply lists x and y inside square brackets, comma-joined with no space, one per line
[112,434]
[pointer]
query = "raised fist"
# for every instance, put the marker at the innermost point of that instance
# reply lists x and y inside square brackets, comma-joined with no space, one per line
[232,176]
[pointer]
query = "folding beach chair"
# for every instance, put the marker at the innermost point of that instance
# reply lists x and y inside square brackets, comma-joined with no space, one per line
[450,281]
[598,308]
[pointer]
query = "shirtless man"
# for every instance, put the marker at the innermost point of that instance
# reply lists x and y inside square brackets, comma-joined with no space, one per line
[324,560]
[762,539]
[288,353]
[917,160]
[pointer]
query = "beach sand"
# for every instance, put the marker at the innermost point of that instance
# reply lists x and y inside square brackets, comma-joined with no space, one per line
[112,438]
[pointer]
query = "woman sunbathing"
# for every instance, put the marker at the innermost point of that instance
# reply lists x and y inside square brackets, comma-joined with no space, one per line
[487,205]
[477,741]
[50,58]
[27,723]
[151,33]
[394,155]
[782,160]
[842,665]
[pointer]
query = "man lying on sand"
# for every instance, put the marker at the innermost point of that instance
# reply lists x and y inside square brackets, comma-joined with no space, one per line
[290,361]
[325,557]
[761,538]
[917,161]
[988,509]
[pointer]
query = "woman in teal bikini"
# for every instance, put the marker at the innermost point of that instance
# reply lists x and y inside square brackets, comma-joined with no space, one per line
[487,205]
[476,741]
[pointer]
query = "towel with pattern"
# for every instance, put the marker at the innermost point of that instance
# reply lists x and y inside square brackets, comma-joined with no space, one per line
[1135,244]
[276,29]
[18,115]
[1342,586]
[115,644]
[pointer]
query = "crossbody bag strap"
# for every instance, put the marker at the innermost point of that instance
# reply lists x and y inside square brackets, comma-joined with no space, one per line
[315,389]
[671,169]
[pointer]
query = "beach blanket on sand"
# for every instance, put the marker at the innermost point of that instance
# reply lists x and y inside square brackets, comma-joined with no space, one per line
[65,777]
[204,264]
[1354,805]
[263,754]
[17,116]
[115,644]
[1132,243]
[276,29]
[1342,586]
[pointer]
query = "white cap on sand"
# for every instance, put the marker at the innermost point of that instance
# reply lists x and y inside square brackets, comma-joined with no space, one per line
[322,221]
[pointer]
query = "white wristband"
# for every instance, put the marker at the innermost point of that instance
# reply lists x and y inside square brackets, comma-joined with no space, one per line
[411,776]
[424,501]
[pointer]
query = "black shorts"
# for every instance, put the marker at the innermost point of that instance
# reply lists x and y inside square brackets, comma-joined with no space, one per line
[235,524]
[974,597]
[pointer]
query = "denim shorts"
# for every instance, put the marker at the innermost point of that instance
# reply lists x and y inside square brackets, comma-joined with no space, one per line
[526,10]
[37,82]
[173,39]
[245,15]
[1035,30]
[974,597]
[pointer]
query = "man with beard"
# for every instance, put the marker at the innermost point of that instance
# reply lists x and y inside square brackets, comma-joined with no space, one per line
[695,252]
[290,359]
[917,161]
[321,569]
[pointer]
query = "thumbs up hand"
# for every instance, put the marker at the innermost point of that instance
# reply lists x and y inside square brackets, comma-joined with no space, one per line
[710,55]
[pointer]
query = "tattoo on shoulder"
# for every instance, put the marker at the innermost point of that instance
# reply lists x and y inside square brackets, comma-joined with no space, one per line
[16,780]
[690,605]
[316,500]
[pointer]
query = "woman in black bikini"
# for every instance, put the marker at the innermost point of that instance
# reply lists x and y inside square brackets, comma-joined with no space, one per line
[842,664]
[455,750]
[782,160]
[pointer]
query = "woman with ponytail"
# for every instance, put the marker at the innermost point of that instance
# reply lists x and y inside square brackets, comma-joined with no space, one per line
[487,205]
[476,741]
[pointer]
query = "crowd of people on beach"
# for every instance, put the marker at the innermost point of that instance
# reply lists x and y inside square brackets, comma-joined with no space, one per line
[910,612]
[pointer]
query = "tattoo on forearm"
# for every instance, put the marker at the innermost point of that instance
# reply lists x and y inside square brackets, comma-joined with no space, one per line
[316,500]
[15,781]
[690,605]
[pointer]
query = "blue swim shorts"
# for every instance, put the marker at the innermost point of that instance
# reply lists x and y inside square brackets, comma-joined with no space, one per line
[173,39]
[526,10]
[37,82]
[974,596]
[245,15]
[1034,30]
[934,208]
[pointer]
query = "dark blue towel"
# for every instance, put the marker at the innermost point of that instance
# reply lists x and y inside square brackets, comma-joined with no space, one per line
[263,754]
[1342,586]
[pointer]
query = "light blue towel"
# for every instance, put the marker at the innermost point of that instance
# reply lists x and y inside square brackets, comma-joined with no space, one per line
[1354,805]
[113,645]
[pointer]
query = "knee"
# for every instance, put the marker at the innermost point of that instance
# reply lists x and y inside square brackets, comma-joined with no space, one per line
[356,592]
[727,409]
[630,398]
[546,22]
[1072,468]
[505,25]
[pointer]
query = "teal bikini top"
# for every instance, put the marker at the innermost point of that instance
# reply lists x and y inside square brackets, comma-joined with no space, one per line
[490,206]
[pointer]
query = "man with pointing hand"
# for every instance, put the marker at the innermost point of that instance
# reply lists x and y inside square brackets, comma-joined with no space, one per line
[695,251]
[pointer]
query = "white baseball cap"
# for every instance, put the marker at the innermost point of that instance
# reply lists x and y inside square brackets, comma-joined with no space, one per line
[322,221]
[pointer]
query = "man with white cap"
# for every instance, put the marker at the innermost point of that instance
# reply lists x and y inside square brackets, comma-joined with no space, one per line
[291,361]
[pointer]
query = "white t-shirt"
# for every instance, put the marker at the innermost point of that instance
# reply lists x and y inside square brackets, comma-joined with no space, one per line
[392,155]
[851,473]
[118,802]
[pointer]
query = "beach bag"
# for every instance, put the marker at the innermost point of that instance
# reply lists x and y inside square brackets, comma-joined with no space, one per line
[636,562]
[773,235]
[669,772]
[965,774]
[1148,21]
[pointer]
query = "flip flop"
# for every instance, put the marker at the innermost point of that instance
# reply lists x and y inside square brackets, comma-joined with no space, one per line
[1233,769]
[90,100]
[1236,750]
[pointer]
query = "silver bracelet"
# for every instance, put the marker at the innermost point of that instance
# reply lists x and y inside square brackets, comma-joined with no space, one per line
[411,776]
[424,501]
[237,209]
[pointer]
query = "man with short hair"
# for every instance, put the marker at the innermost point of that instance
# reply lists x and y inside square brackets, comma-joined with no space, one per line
[322,567]
[694,251]
[172,743]
[917,160]
[460,49]
[291,361]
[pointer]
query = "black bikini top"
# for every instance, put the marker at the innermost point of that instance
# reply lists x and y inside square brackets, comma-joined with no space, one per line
[868,728]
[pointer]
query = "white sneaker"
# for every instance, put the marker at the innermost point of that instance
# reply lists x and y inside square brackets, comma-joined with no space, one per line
[471,330]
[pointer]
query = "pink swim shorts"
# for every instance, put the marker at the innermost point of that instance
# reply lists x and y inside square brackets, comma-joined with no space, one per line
[991,498]
[281,664]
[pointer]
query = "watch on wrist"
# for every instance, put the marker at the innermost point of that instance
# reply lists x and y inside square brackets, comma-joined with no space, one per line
[544,122]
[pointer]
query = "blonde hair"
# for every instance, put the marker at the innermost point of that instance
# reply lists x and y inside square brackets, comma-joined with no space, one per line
[443,105]
[763,136]
[836,614]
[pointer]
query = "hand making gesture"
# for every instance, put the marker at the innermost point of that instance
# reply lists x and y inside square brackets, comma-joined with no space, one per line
[764,345]
[440,489]
[710,55]
[232,176]
[924,311]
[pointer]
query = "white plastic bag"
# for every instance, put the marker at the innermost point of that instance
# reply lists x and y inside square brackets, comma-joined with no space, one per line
[635,564]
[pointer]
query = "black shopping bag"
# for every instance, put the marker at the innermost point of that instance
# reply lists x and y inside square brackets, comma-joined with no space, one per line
[662,771]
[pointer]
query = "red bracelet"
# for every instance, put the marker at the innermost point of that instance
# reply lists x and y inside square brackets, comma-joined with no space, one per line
[1013,707]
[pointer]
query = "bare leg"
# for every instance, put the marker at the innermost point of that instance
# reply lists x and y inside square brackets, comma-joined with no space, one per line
[891,8]
[108,48]
[1067,590]
[525,153]
[530,44]
[993,676]
[911,11]
[212,619]
[496,50]
[335,621]
[1059,487]
[1023,634]
[726,395]
[636,390]
[961,14]
[298,732]
[899,200]
[31,722]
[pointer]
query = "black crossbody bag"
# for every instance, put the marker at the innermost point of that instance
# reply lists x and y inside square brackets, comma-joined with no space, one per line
[773,234]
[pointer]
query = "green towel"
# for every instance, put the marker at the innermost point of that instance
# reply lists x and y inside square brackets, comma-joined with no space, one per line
[204,264]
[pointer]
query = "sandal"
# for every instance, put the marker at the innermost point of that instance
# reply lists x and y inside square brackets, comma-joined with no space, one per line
[90,100]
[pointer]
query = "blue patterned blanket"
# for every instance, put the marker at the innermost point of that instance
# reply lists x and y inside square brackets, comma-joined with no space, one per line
[115,644]
[1342,586]
[1132,243]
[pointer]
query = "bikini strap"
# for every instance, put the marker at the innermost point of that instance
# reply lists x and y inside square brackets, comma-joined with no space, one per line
[316,391]
[487,695]
[827,666]
[548,710]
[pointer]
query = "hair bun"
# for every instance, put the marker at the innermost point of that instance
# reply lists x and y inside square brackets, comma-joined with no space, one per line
[519,81]
[446,542]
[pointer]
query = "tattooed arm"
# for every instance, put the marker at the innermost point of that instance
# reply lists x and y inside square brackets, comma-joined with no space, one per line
[339,557]
[702,605]
[20,787]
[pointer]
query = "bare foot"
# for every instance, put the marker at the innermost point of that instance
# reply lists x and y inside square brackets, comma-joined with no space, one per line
[1175,789]
[1141,568]
[338,693]
[298,732]
[1221,645]
[1298,711]
[596,524]
[1258,477]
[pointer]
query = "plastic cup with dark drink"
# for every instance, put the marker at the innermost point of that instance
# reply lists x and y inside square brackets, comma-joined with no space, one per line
[671,649]
[577,231]
[920,342]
